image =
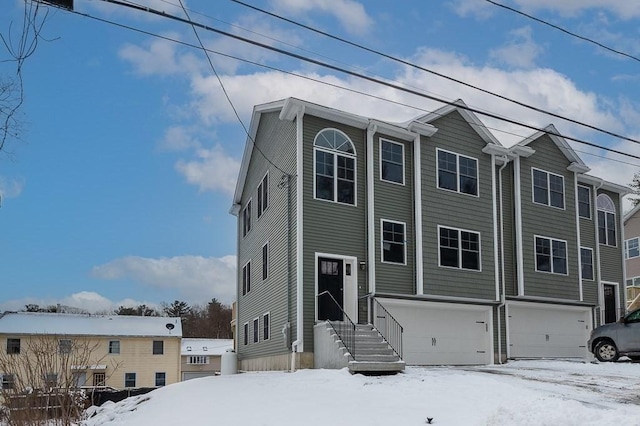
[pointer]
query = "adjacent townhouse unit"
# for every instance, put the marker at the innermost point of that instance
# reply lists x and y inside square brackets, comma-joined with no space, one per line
[474,252]
[632,256]
[202,357]
[44,350]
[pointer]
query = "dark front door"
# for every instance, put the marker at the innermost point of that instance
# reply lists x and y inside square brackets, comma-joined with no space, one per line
[331,280]
[610,314]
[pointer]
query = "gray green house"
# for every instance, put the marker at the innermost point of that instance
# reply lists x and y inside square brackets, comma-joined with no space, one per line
[480,252]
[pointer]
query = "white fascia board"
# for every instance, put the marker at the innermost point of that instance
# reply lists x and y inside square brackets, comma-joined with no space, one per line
[603,184]
[577,165]
[292,105]
[522,151]
[423,129]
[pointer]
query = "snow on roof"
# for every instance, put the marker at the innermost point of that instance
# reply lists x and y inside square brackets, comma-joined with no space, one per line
[88,325]
[191,346]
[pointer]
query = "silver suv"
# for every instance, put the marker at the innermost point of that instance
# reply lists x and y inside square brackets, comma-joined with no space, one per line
[610,341]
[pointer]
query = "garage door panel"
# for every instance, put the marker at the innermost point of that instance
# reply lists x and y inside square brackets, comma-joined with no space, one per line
[443,333]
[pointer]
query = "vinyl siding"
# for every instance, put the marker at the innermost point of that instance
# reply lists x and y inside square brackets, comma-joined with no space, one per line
[277,140]
[330,227]
[588,240]
[557,223]
[395,203]
[611,258]
[455,210]
[508,216]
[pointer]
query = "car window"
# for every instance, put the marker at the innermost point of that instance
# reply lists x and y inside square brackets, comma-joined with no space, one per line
[633,316]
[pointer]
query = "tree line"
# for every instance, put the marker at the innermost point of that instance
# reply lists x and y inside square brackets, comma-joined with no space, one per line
[212,320]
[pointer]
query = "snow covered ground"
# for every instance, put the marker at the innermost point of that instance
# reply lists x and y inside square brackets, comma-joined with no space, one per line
[518,393]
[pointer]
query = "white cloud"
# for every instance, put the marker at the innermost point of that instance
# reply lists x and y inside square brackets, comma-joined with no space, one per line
[10,188]
[178,138]
[159,57]
[212,170]
[351,14]
[195,278]
[622,9]
[520,52]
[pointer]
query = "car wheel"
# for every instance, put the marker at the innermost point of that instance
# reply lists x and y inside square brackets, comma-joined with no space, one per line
[606,351]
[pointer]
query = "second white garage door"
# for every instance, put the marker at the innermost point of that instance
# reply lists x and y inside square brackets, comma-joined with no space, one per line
[443,333]
[547,331]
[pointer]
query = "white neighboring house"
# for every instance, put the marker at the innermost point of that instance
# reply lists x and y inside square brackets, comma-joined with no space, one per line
[202,357]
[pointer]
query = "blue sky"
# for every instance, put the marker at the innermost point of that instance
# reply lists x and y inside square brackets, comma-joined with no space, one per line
[119,190]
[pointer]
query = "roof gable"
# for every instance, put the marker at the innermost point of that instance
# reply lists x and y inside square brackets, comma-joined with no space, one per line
[577,165]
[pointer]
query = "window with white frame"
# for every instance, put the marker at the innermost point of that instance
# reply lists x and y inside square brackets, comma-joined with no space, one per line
[391,161]
[266,327]
[198,359]
[548,188]
[263,195]
[265,261]
[246,333]
[158,347]
[393,242]
[246,278]
[114,346]
[129,380]
[246,219]
[584,201]
[586,263]
[256,330]
[459,248]
[161,379]
[457,172]
[335,167]
[606,220]
[631,248]
[551,255]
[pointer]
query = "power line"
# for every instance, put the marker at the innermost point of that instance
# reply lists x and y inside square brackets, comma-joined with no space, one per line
[405,62]
[572,34]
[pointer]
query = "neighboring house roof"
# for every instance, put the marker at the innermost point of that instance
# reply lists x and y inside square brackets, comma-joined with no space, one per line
[192,346]
[631,213]
[30,323]
[577,165]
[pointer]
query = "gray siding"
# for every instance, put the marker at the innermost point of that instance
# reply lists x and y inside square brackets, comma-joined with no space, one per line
[452,209]
[588,240]
[396,203]
[330,227]
[277,140]
[508,216]
[557,223]
[611,258]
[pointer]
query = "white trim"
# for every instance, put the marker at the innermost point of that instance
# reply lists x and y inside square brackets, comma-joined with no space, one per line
[266,244]
[245,337]
[460,249]
[246,207]
[626,248]
[593,272]
[551,240]
[518,220]
[577,215]
[417,183]
[299,229]
[588,188]
[371,248]
[404,242]
[268,313]
[477,195]
[496,263]
[260,213]
[616,293]
[380,141]
[624,262]
[548,204]
[594,195]
[616,225]
[335,154]
[352,310]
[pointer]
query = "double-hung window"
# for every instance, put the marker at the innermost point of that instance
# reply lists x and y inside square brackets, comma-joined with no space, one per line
[459,248]
[245,337]
[584,202]
[114,346]
[129,380]
[586,263]
[263,195]
[265,261]
[246,219]
[457,172]
[391,161]
[158,347]
[631,248]
[548,188]
[246,278]
[13,346]
[161,379]
[256,330]
[606,220]
[266,331]
[393,242]
[335,167]
[551,255]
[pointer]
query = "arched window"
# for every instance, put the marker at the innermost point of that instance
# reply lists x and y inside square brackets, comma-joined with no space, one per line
[606,220]
[335,167]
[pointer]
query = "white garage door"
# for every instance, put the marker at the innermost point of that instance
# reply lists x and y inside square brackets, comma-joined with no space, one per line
[547,331]
[443,333]
[188,375]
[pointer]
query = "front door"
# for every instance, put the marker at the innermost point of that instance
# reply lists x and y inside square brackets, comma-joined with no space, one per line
[610,314]
[331,280]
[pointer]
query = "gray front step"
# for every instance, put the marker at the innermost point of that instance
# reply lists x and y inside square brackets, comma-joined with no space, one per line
[376,367]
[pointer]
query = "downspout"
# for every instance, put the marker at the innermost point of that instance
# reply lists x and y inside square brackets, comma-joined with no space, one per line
[502,279]
[519,242]
[417,197]
[298,344]
[371,250]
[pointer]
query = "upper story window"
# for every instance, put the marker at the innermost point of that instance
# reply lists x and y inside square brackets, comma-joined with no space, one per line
[457,173]
[606,220]
[632,248]
[551,255]
[64,346]
[245,336]
[246,219]
[246,278]
[335,167]
[114,346]
[459,249]
[13,346]
[158,347]
[586,263]
[584,201]
[393,246]
[391,161]
[263,195]
[265,261]
[548,188]
[198,359]
[266,332]
[256,330]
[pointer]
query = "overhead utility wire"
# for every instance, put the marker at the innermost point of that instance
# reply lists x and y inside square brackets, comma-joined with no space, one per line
[464,83]
[583,38]
[374,80]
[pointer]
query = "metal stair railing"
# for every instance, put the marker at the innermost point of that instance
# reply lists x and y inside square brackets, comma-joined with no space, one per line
[347,333]
[391,331]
